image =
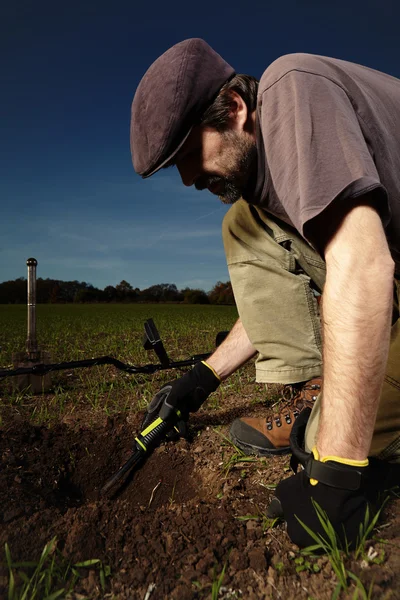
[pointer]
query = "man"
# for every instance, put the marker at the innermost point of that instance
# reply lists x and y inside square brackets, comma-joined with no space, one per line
[310,159]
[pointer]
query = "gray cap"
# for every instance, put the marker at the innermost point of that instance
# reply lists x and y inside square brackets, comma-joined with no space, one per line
[171,97]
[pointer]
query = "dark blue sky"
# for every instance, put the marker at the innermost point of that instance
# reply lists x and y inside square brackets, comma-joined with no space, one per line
[69,70]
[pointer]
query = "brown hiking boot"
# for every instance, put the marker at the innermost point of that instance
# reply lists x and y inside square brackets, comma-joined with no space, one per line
[270,436]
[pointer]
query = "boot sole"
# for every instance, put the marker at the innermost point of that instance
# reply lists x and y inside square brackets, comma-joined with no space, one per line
[258,451]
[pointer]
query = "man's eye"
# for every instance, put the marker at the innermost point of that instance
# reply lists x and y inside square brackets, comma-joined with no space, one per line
[189,154]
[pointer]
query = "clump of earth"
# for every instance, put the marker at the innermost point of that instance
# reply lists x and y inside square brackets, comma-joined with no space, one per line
[192,510]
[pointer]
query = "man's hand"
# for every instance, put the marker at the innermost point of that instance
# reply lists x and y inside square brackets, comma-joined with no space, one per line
[342,488]
[184,395]
[189,392]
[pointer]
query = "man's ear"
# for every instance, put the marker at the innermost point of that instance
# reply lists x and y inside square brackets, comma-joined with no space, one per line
[239,113]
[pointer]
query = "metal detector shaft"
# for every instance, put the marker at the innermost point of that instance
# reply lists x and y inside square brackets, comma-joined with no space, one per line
[41,369]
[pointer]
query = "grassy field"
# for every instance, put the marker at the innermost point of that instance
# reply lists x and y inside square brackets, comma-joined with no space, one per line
[68,331]
[75,332]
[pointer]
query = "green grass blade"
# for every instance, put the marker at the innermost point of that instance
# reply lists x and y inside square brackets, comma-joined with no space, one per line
[102,580]
[29,564]
[309,550]
[360,589]
[88,563]
[336,592]
[320,541]
[11,586]
[11,580]
[49,547]
[216,586]
[326,524]
[8,555]
[55,595]
[23,576]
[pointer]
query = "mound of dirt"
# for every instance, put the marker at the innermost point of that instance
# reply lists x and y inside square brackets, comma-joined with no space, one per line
[169,532]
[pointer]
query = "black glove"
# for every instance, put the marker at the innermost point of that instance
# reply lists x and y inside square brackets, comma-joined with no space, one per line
[342,490]
[183,396]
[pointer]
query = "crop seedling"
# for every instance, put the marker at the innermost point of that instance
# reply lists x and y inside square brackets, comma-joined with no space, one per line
[331,546]
[267,522]
[171,500]
[302,564]
[51,577]
[237,458]
[366,529]
[217,583]
[279,568]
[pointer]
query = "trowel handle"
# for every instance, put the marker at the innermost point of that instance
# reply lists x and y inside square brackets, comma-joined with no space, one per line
[153,435]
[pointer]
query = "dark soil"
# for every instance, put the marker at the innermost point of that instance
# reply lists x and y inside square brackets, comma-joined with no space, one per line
[175,525]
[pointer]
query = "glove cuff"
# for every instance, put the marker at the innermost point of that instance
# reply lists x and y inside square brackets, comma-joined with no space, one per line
[338,459]
[203,362]
[333,471]
[205,377]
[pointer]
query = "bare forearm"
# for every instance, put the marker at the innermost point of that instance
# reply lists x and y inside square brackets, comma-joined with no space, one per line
[234,351]
[356,315]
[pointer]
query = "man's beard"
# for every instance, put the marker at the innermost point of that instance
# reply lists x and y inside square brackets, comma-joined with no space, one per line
[239,158]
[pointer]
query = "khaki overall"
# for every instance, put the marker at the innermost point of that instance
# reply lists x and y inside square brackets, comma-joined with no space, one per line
[276,278]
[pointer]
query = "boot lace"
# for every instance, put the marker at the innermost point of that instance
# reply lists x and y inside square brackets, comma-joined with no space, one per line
[294,399]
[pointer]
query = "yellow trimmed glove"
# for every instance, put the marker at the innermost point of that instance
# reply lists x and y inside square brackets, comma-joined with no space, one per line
[340,486]
[183,396]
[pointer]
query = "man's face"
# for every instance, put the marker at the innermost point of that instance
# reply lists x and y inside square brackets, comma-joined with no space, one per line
[219,161]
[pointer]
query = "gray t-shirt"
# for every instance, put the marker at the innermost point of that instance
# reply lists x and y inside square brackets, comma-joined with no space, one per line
[328,129]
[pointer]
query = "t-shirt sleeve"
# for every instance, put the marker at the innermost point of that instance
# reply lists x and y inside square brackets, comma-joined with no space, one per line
[315,148]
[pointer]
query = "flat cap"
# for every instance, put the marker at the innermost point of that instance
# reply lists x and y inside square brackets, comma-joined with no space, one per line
[170,98]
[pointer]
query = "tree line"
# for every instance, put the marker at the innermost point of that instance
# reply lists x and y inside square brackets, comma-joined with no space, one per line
[52,291]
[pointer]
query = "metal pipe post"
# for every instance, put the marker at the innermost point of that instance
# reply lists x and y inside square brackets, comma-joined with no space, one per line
[31,342]
[37,384]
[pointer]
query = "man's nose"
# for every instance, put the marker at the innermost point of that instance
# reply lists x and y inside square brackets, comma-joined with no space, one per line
[187,174]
